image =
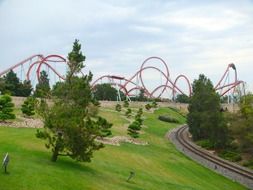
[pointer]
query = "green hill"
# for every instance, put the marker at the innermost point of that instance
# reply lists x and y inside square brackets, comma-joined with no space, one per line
[157,165]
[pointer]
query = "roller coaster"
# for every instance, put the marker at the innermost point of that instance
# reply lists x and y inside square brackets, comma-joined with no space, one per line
[33,65]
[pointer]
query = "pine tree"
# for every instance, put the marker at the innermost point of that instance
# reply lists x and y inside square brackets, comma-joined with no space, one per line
[105,127]
[68,127]
[138,116]
[118,107]
[28,107]
[148,106]
[6,108]
[154,104]
[25,89]
[205,119]
[12,83]
[42,89]
[128,112]
[126,104]
[133,129]
[140,111]
[141,96]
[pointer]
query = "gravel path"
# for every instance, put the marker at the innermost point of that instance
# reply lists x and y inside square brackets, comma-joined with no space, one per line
[22,122]
[117,140]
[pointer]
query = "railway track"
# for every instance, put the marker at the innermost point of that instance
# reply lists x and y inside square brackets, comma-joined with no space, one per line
[180,137]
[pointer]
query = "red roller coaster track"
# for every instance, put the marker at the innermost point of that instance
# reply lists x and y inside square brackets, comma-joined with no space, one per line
[139,75]
[128,86]
[38,60]
[223,87]
[227,85]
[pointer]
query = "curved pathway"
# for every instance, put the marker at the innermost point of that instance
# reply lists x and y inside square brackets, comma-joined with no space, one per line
[180,138]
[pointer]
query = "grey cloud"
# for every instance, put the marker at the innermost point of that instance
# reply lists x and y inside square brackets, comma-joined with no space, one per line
[193,37]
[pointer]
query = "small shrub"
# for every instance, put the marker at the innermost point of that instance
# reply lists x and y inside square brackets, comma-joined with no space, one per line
[248,163]
[205,143]
[118,107]
[28,107]
[139,119]
[140,111]
[6,108]
[154,104]
[148,106]
[231,156]
[167,118]
[133,129]
[128,112]
[126,104]
[105,127]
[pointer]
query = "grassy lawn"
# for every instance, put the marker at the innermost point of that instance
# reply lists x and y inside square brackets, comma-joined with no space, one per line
[157,166]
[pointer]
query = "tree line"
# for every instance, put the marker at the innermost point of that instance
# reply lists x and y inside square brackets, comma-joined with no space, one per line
[12,85]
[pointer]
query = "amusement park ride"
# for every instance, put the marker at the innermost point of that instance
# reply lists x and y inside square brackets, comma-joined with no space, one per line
[227,86]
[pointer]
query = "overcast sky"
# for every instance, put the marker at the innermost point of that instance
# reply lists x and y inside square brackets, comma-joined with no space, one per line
[193,37]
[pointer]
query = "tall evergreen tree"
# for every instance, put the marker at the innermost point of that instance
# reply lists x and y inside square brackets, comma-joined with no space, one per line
[43,87]
[12,83]
[141,97]
[25,89]
[68,126]
[204,118]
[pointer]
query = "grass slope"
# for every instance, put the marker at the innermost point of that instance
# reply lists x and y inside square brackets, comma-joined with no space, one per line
[157,166]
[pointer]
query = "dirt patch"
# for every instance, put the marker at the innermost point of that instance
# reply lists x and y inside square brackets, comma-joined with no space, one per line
[117,140]
[22,122]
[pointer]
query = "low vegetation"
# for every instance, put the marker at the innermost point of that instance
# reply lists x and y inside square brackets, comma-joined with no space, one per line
[118,107]
[135,126]
[28,107]
[168,118]
[240,130]
[128,112]
[126,104]
[6,108]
